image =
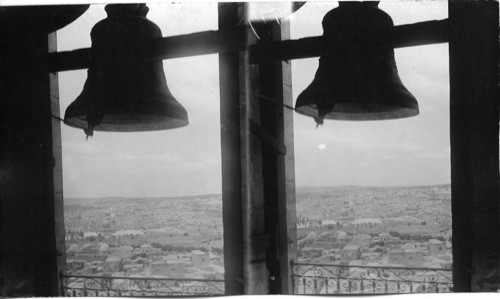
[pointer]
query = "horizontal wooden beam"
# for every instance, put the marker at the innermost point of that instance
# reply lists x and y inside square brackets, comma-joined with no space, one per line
[419,34]
[234,39]
[200,43]
[424,33]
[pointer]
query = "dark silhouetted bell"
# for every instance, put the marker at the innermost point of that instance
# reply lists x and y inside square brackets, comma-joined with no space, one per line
[357,78]
[121,93]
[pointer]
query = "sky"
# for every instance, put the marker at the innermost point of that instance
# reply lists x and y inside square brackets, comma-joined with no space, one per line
[402,152]
[187,161]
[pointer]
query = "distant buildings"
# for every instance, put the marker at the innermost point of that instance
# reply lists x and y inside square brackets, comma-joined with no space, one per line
[104,249]
[148,249]
[200,258]
[387,239]
[88,252]
[346,215]
[342,239]
[350,252]
[402,220]
[144,261]
[72,250]
[169,269]
[361,240]
[406,257]
[108,225]
[383,249]
[113,264]
[437,248]
[130,236]
[310,252]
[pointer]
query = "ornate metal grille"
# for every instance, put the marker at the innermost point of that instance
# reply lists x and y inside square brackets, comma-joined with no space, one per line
[102,286]
[339,279]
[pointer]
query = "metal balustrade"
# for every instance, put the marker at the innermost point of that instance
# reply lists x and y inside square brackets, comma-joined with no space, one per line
[106,286]
[308,279]
[342,279]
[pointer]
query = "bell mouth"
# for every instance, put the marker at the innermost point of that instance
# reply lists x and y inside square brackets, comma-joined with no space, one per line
[359,104]
[357,111]
[129,123]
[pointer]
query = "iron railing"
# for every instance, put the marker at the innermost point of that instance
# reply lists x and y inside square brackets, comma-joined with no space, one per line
[340,279]
[105,286]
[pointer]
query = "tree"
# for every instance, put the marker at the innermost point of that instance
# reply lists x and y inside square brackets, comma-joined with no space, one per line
[394,234]
[156,245]
[405,237]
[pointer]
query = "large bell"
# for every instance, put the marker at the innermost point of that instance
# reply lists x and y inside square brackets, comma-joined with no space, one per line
[122,94]
[357,79]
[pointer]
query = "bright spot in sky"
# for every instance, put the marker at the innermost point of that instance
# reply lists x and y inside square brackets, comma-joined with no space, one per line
[321,146]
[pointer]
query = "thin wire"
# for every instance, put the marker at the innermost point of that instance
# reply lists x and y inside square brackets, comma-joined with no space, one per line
[58,118]
[276,102]
[253,29]
[284,105]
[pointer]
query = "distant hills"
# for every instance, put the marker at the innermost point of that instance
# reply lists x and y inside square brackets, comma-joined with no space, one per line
[327,189]
[301,189]
[89,200]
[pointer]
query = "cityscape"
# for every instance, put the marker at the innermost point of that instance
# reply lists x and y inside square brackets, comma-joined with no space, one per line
[182,238]
[406,226]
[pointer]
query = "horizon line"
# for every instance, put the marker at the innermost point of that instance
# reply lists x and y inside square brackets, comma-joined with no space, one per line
[220,194]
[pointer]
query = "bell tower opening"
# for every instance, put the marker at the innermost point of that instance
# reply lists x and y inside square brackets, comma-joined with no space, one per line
[373,196]
[146,203]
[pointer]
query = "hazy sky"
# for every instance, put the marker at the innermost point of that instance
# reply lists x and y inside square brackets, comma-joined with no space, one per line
[186,161]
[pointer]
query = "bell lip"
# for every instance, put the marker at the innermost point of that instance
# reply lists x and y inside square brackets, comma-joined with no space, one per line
[390,114]
[389,104]
[166,123]
[385,104]
[162,114]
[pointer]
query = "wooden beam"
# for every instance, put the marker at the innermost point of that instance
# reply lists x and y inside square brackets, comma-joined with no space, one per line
[275,85]
[30,180]
[57,206]
[227,40]
[417,34]
[231,154]
[256,239]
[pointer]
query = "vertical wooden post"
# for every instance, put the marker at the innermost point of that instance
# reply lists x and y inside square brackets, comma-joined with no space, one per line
[29,250]
[59,228]
[275,95]
[267,199]
[231,152]
[286,176]
[256,239]
[474,145]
